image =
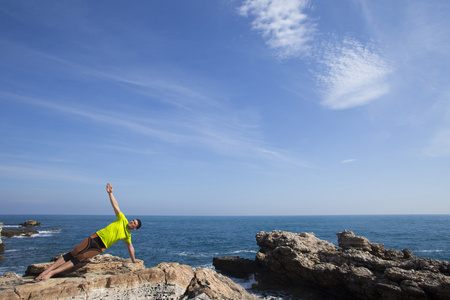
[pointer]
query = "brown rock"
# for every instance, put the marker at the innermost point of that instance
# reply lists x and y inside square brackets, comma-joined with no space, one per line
[235,266]
[101,277]
[360,269]
[177,275]
[348,239]
[18,232]
[109,277]
[30,223]
[208,284]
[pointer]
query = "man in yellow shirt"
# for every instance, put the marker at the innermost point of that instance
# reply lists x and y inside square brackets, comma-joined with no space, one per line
[98,242]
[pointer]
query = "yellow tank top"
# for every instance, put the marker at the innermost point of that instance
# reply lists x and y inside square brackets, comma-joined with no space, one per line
[115,231]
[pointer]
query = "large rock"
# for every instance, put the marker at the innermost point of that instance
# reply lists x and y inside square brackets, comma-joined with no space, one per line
[358,269]
[109,277]
[30,223]
[236,266]
[207,284]
[18,232]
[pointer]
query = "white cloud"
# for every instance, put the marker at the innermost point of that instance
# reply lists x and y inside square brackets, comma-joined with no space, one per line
[284,25]
[348,161]
[354,75]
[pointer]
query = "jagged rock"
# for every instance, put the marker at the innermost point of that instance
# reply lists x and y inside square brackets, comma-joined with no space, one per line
[358,270]
[235,266]
[110,277]
[30,223]
[18,232]
[208,284]
[348,240]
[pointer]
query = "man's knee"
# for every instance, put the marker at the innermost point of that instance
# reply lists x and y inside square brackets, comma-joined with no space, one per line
[68,256]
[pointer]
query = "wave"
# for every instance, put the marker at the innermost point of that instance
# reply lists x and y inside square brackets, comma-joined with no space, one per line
[192,254]
[11,226]
[42,233]
[429,251]
[243,251]
[11,250]
[246,283]
[204,254]
[207,266]
[23,236]
[47,233]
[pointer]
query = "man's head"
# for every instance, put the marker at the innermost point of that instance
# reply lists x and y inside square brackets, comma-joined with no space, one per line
[134,224]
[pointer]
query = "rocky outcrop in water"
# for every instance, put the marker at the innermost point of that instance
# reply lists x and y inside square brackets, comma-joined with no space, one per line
[109,277]
[2,246]
[18,232]
[30,223]
[359,269]
[22,231]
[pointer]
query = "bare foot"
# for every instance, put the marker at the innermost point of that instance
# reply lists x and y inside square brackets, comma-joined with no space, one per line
[46,277]
[38,278]
[41,276]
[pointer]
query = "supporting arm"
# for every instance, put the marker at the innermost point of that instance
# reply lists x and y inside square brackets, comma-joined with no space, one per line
[131,252]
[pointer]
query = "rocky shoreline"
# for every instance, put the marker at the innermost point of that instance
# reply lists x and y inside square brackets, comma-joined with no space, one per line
[298,263]
[316,269]
[110,277]
[27,231]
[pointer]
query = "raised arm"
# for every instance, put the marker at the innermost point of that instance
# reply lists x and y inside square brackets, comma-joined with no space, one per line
[115,205]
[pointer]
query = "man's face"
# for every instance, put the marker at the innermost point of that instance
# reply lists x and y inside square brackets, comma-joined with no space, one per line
[132,225]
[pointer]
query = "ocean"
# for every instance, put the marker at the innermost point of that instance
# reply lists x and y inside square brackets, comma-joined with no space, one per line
[195,240]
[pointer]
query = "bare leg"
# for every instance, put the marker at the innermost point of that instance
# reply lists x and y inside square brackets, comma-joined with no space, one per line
[55,265]
[86,249]
[49,273]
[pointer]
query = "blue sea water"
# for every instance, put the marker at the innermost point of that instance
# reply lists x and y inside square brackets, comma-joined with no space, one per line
[195,240]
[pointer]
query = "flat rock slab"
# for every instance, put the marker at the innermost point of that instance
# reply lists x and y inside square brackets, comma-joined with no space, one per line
[110,277]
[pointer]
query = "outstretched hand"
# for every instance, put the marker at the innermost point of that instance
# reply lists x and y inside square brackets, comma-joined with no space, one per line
[109,188]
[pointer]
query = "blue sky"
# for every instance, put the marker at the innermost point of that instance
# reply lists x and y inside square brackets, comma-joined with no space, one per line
[261,107]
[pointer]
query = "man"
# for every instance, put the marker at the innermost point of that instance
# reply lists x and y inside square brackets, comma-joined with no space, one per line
[98,242]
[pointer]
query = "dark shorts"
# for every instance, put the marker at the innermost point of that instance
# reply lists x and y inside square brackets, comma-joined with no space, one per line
[88,248]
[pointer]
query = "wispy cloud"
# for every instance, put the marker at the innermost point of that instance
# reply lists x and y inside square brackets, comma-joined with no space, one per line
[351,160]
[222,131]
[353,75]
[283,23]
[160,87]
[193,114]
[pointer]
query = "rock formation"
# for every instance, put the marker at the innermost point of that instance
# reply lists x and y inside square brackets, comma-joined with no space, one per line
[2,246]
[109,277]
[18,232]
[208,284]
[358,269]
[30,223]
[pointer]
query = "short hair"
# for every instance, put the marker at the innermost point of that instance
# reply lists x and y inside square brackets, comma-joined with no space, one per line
[139,224]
